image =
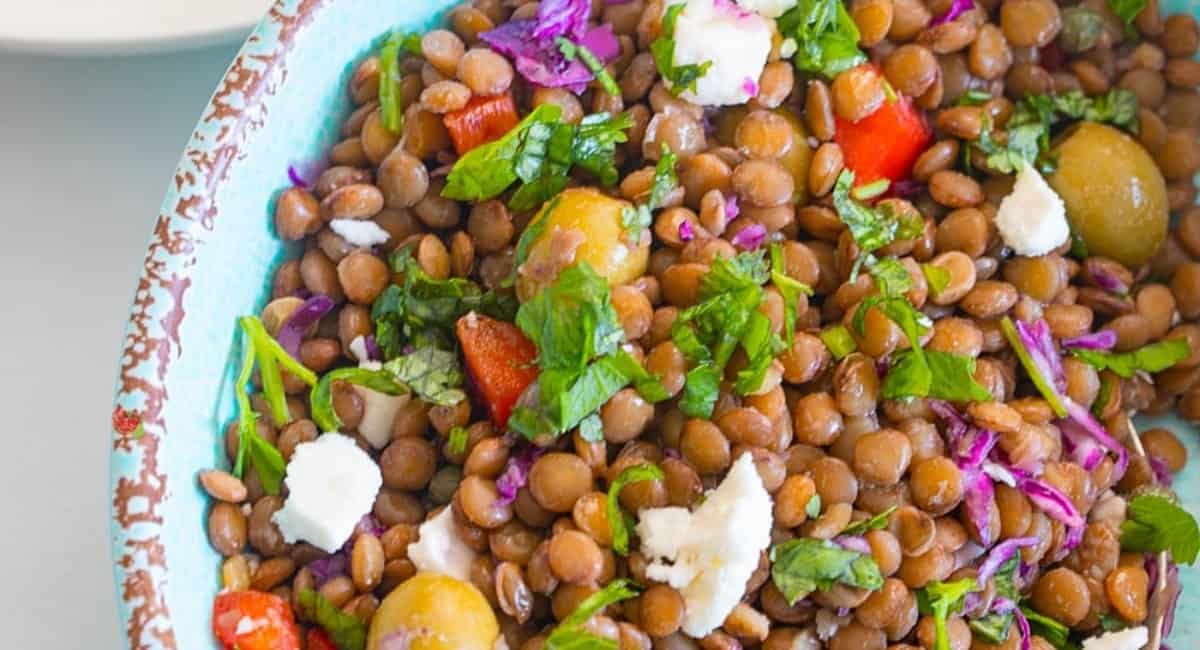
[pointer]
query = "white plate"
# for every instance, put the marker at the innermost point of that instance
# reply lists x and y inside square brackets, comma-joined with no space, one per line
[98,27]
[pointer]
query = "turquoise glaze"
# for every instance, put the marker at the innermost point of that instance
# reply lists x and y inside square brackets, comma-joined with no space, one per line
[209,261]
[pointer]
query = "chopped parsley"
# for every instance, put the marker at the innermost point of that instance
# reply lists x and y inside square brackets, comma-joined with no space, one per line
[1127,11]
[433,374]
[937,277]
[1157,524]
[618,521]
[634,220]
[789,289]
[1150,358]
[940,599]
[878,522]
[457,441]
[871,227]
[680,77]
[391,113]
[572,51]
[994,626]
[839,341]
[825,35]
[571,634]
[348,632]
[1057,634]
[802,566]
[540,152]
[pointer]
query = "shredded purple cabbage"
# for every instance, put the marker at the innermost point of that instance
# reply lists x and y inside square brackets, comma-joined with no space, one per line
[686,232]
[1085,450]
[732,210]
[329,567]
[882,364]
[957,8]
[1003,605]
[1103,278]
[305,175]
[516,474]
[1173,587]
[907,188]
[1000,554]
[671,452]
[1162,472]
[978,499]
[750,87]
[1090,424]
[974,446]
[1039,343]
[372,346]
[1054,503]
[853,543]
[531,44]
[999,473]
[368,525]
[750,237]
[1102,340]
[296,179]
[292,333]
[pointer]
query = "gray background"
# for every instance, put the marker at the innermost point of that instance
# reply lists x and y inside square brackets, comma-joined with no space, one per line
[87,147]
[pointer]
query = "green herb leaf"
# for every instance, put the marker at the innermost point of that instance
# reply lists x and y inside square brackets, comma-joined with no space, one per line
[635,221]
[595,144]
[682,77]
[878,522]
[940,599]
[891,276]
[616,517]
[321,397]
[973,97]
[572,320]
[665,180]
[872,190]
[433,374]
[826,37]
[348,632]
[700,389]
[935,374]
[813,507]
[391,113]
[871,228]
[489,169]
[570,635]
[995,627]
[411,42]
[790,289]
[1156,524]
[937,277]
[1057,634]
[591,428]
[1111,623]
[761,346]
[1155,357]
[1127,11]
[271,357]
[247,418]
[839,341]
[572,51]
[457,443]
[802,566]
[533,232]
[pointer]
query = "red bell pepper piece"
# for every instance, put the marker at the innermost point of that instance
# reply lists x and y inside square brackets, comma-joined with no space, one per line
[254,620]
[886,143]
[317,639]
[481,121]
[500,360]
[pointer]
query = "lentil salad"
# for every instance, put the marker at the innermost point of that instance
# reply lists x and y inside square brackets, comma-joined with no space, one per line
[709,325]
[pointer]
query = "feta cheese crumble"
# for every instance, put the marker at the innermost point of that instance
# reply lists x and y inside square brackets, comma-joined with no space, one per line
[714,550]
[767,8]
[363,233]
[735,40]
[439,549]
[1132,638]
[379,409]
[1032,220]
[331,485]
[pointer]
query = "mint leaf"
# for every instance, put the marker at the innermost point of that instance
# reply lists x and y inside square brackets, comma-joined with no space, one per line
[839,341]
[802,566]
[487,170]
[591,428]
[433,374]
[595,144]
[825,35]
[616,517]
[679,77]
[878,522]
[891,276]
[1156,524]
[936,374]
[570,634]
[940,599]
[700,390]
[1155,357]
[572,320]
[348,632]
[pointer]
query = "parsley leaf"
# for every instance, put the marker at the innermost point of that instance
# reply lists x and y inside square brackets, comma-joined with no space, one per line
[871,228]
[825,35]
[1110,623]
[940,599]
[571,635]
[665,180]
[433,374]
[595,144]
[789,289]
[457,442]
[617,519]
[572,51]
[839,341]
[1156,524]
[813,507]
[877,522]
[348,632]
[1057,634]
[940,375]
[487,170]
[802,566]
[591,428]
[1151,358]
[679,77]
[321,397]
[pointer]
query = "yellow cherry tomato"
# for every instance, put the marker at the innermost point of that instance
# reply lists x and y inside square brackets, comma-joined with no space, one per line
[435,612]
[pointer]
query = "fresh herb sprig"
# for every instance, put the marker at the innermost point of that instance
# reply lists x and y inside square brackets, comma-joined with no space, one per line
[1156,524]
[940,599]
[571,634]
[825,35]
[802,566]
[618,521]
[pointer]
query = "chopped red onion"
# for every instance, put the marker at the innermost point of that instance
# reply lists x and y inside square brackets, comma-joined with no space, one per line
[750,87]
[516,474]
[732,210]
[750,237]
[686,232]
[1000,554]
[957,8]
[1102,340]
[853,543]
[292,333]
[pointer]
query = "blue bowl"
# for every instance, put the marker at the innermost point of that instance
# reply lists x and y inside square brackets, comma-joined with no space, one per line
[210,260]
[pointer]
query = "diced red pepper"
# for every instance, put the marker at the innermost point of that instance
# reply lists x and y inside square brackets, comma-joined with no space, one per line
[317,639]
[500,360]
[254,620]
[481,121]
[886,143]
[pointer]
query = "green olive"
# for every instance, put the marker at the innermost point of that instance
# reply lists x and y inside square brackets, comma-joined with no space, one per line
[1115,196]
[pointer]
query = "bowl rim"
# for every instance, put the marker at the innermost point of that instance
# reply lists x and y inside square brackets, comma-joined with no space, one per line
[139,486]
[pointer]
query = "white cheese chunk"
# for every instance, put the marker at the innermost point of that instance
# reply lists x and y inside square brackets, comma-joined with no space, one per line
[379,409]
[1132,638]
[363,233]
[439,549]
[1032,220]
[767,8]
[714,549]
[737,43]
[331,485]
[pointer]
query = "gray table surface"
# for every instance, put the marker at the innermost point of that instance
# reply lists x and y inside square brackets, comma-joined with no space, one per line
[87,147]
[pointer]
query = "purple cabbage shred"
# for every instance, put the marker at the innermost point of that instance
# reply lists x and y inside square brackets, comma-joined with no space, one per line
[292,333]
[1102,340]
[750,87]
[732,210]
[957,8]
[516,474]
[1000,554]
[1054,503]
[977,504]
[853,543]
[750,237]
[329,567]
[1162,472]
[686,232]
[531,44]
[372,347]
